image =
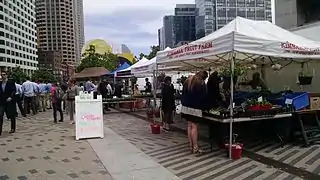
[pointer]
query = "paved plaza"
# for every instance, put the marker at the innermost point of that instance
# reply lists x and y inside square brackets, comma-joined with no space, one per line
[41,150]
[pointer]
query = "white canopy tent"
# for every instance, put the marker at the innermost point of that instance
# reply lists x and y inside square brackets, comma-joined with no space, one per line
[245,40]
[241,41]
[136,65]
[148,68]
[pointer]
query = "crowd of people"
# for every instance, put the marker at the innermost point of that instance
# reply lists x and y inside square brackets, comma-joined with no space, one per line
[35,96]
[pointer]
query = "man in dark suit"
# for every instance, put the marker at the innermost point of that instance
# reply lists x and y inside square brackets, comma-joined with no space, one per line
[7,103]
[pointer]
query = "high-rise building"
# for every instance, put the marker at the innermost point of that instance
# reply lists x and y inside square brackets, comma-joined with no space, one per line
[167,31]
[18,35]
[218,13]
[60,31]
[294,13]
[78,28]
[184,24]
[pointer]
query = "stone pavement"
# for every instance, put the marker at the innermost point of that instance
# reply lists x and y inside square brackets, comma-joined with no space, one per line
[41,150]
[171,150]
[306,158]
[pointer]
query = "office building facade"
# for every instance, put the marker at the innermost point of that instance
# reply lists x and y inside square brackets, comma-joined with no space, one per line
[217,13]
[184,29]
[18,35]
[60,31]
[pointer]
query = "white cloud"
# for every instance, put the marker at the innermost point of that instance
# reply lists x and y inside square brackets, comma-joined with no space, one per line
[131,22]
[108,6]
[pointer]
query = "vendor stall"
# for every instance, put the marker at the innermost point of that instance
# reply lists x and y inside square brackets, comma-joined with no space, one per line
[243,43]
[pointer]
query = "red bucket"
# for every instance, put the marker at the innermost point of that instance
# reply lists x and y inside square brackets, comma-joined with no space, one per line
[155,128]
[236,151]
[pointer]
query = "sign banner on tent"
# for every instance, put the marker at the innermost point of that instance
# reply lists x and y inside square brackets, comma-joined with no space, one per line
[190,50]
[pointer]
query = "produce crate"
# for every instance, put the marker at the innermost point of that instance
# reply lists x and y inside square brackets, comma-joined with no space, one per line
[300,100]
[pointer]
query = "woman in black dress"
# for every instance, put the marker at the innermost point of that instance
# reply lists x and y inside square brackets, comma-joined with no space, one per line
[168,103]
[193,101]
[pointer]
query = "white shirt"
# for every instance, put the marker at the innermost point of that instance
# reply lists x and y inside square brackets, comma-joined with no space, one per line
[29,89]
[18,89]
[109,88]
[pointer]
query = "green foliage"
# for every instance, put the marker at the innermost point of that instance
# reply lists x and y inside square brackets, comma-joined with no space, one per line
[92,59]
[238,71]
[152,54]
[18,75]
[141,55]
[44,75]
[253,102]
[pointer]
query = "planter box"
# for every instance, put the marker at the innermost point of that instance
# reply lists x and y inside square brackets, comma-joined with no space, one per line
[305,80]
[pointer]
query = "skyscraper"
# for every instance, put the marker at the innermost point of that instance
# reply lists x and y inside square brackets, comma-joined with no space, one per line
[167,31]
[184,24]
[78,28]
[60,34]
[18,35]
[218,13]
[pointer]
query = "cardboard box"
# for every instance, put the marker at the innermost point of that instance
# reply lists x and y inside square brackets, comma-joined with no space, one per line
[315,103]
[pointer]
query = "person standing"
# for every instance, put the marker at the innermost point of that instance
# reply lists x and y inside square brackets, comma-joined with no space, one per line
[64,88]
[57,96]
[72,92]
[18,99]
[7,103]
[48,95]
[148,90]
[167,103]
[42,96]
[36,97]
[89,86]
[193,101]
[29,93]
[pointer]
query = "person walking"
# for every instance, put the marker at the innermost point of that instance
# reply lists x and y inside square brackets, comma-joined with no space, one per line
[42,96]
[7,103]
[29,92]
[18,99]
[57,95]
[72,92]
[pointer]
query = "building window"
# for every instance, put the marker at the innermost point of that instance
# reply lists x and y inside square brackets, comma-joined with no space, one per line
[2,50]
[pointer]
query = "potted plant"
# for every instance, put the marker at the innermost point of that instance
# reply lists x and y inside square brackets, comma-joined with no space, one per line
[254,104]
[305,77]
[226,74]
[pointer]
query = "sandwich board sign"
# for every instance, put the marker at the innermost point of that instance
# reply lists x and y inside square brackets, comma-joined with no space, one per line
[89,116]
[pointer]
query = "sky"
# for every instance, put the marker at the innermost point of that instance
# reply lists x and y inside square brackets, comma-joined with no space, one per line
[131,22]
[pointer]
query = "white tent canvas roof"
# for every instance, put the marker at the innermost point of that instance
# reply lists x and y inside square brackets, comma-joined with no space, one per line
[147,68]
[243,39]
[137,64]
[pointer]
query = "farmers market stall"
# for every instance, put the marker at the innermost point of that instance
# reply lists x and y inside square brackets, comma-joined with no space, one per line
[241,43]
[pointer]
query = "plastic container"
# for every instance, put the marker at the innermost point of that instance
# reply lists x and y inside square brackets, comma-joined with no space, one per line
[155,128]
[300,100]
[236,151]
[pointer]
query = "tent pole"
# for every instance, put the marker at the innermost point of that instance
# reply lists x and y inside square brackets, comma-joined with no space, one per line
[231,105]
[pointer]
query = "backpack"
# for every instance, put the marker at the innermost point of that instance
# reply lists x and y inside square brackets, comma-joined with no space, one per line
[59,93]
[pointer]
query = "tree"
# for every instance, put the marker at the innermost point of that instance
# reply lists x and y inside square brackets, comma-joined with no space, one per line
[153,52]
[141,55]
[18,75]
[92,59]
[44,75]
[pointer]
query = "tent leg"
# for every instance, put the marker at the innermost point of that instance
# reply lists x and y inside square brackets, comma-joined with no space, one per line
[231,106]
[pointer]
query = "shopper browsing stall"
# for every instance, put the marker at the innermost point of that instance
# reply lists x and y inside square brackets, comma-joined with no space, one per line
[167,103]
[193,100]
